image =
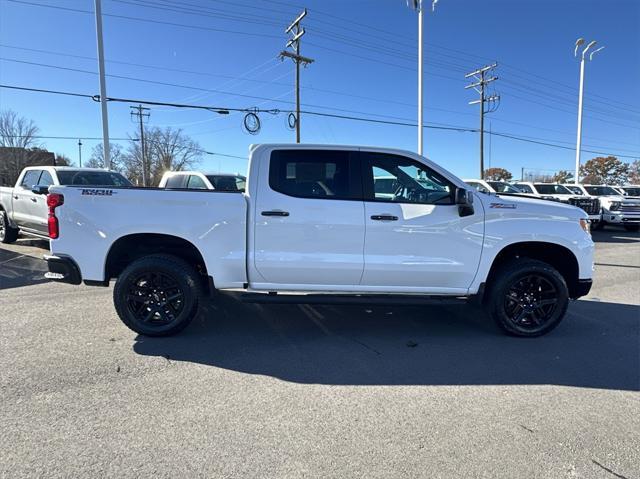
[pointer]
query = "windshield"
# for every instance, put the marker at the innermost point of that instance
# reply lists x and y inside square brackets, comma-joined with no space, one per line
[227,183]
[601,191]
[502,187]
[632,190]
[91,178]
[545,189]
[575,190]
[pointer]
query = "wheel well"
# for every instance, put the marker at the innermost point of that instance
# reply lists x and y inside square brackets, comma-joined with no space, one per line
[559,257]
[129,248]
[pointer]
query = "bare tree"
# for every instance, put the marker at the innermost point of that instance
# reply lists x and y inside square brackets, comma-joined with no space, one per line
[16,131]
[97,157]
[166,150]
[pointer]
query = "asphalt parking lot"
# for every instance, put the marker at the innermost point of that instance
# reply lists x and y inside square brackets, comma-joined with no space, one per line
[318,391]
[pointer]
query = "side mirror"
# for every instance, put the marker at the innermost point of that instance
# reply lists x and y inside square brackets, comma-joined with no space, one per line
[464,200]
[40,189]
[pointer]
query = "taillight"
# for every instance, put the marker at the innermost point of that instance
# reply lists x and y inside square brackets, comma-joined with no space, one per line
[53,201]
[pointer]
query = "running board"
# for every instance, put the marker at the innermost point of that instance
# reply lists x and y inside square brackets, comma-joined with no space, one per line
[380,299]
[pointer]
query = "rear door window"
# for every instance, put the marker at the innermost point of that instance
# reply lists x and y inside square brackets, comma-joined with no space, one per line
[321,174]
[45,179]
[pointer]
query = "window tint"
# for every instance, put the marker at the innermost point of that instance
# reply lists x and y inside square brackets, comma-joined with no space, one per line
[552,189]
[502,187]
[45,179]
[226,182]
[176,181]
[30,179]
[632,191]
[478,186]
[524,188]
[575,190]
[91,178]
[401,180]
[601,190]
[196,183]
[311,174]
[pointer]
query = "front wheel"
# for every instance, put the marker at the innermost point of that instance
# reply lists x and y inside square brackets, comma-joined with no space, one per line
[529,298]
[157,295]
[632,228]
[8,234]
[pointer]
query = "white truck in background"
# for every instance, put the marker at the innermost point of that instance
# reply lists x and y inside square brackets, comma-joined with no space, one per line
[616,209]
[23,208]
[311,228]
[558,192]
[197,180]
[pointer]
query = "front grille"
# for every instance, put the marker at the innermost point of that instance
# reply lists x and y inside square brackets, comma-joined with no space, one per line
[591,206]
[630,208]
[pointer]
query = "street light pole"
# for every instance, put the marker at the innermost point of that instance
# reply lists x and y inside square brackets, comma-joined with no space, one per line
[579,42]
[103,86]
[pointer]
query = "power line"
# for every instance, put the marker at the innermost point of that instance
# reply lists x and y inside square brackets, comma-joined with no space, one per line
[407,123]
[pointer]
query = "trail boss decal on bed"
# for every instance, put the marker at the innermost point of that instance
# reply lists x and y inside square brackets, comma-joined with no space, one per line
[98,192]
[505,206]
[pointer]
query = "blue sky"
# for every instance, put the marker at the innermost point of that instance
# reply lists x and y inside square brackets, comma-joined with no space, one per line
[365,65]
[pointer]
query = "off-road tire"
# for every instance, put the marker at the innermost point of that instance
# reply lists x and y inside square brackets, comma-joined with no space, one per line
[8,234]
[145,288]
[539,282]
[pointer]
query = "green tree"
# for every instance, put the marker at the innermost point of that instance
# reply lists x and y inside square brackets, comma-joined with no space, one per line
[497,174]
[604,170]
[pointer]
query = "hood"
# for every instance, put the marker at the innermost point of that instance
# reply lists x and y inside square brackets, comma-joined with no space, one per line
[529,205]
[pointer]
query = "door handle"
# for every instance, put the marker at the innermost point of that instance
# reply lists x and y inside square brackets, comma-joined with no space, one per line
[16,197]
[384,218]
[34,199]
[275,213]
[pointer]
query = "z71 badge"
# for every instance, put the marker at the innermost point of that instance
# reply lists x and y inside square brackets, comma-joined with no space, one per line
[505,206]
[98,192]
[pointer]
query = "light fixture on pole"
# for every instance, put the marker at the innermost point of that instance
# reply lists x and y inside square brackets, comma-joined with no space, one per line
[579,43]
[417,6]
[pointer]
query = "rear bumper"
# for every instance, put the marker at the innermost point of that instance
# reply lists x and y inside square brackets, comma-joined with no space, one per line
[582,288]
[62,269]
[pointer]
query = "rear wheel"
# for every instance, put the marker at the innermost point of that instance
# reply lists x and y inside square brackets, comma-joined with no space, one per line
[157,295]
[529,298]
[8,234]
[632,228]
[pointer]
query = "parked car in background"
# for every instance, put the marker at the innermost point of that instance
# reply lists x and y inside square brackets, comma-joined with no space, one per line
[312,228]
[632,191]
[23,208]
[558,192]
[616,209]
[196,180]
[491,186]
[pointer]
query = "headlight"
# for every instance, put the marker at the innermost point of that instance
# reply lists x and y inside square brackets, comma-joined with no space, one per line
[615,206]
[585,225]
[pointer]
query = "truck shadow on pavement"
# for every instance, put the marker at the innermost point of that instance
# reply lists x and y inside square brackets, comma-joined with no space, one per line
[17,269]
[617,235]
[596,346]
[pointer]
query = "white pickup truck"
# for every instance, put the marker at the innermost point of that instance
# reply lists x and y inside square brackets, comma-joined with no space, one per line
[616,209]
[23,208]
[310,228]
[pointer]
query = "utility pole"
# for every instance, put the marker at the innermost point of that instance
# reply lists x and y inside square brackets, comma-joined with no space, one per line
[579,42]
[417,6]
[80,152]
[141,113]
[103,86]
[297,31]
[481,81]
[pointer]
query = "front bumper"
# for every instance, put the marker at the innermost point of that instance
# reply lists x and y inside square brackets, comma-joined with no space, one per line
[619,218]
[62,269]
[582,288]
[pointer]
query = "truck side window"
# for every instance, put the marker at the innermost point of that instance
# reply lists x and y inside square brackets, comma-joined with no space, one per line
[176,181]
[45,179]
[30,179]
[524,188]
[312,174]
[196,183]
[393,178]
